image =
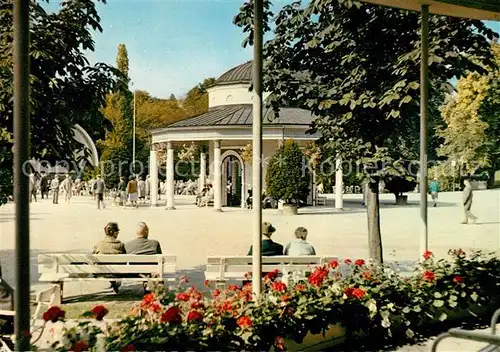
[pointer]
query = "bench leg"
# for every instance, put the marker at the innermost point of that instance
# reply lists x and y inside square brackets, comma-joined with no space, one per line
[220,284]
[58,295]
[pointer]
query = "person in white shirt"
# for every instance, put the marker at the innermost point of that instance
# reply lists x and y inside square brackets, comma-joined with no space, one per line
[54,186]
[299,246]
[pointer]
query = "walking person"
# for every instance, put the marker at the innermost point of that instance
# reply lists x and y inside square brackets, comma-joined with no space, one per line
[132,191]
[54,186]
[434,189]
[467,203]
[141,190]
[122,190]
[99,189]
[67,186]
[148,187]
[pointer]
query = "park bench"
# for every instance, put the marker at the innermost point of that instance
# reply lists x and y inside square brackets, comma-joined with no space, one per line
[60,268]
[492,339]
[220,269]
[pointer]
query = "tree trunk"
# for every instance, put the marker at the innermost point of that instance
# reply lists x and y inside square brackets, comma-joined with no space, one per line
[373,212]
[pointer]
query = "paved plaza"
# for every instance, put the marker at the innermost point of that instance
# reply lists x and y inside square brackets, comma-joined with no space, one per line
[194,233]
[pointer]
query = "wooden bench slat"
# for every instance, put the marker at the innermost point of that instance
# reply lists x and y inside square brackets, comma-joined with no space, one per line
[104,258]
[106,269]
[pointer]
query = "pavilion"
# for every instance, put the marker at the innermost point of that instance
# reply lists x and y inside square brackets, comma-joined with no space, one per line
[227,127]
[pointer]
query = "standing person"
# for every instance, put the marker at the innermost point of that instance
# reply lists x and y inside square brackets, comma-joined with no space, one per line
[91,188]
[54,186]
[132,191]
[33,186]
[141,189]
[122,190]
[434,189]
[67,185]
[99,189]
[467,203]
[148,187]
[44,185]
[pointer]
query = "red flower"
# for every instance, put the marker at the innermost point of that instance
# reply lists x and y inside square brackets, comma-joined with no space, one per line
[197,305]
[246,293]
[366,275]
[347,261]
[184,279]
[244,322]
[155,307]
[278,286]
[227,306]
[427,255]
[79,346]
[359,262]
[148,299]
[358,293]
[99,312]
[317,277]
[128,348]
[172,316]
[279,343]
[300,287]
[458,279]
[333,264]
[272,275]
[286,298]
[206,283]
[183,296]
[233,288]
[53,314]
[194,316]
[429,276]
[216,293]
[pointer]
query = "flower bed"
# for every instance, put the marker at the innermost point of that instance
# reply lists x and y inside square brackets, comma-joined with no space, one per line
[367,302]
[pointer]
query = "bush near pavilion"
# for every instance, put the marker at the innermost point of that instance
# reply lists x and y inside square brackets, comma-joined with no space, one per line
[287,177]
[376,304]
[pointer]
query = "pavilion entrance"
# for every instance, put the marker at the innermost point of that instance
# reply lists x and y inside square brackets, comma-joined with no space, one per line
[232,180]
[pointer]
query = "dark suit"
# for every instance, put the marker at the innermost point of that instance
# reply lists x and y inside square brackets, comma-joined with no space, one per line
[143,246]
[269,248]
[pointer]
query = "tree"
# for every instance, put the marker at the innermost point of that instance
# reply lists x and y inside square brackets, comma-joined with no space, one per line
[286,176]
[65,89]
[464,131]
[196,100]
[356,67]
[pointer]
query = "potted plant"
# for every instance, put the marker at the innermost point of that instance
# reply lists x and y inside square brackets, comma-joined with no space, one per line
[287,178]
[398,185]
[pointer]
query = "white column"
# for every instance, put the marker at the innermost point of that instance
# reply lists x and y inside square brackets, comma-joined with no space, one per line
[339,185]
[217,177]
[170,177]
[153,178]
[243,193]
[203,171]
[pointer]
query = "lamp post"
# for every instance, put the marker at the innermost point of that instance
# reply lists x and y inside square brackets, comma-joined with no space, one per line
[479,10]
[453,164]
[133,135]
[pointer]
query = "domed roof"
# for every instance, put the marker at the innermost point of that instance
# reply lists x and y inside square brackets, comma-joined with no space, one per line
[239,74]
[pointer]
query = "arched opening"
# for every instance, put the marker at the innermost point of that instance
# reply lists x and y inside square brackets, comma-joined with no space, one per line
[232,180]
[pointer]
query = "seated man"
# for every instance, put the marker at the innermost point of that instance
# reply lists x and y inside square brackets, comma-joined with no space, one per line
[269,247]
[209,196]
[111,245]
[143,245]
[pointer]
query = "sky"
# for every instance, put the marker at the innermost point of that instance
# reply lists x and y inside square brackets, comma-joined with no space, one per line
[173,45]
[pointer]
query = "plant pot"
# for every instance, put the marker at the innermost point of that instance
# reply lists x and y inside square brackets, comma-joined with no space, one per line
[334,335]
[290,209]
[401,200]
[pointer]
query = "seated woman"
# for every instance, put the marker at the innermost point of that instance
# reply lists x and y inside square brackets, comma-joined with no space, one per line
[299,246]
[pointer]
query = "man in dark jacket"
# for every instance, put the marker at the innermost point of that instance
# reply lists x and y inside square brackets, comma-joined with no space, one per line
[143,245]
[269,247]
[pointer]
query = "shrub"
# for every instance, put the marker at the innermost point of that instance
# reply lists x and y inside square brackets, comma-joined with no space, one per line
[287,178]
[374,303]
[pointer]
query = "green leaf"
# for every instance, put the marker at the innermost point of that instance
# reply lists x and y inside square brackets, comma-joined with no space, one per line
[474,296]
[443,317]
[437,295]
